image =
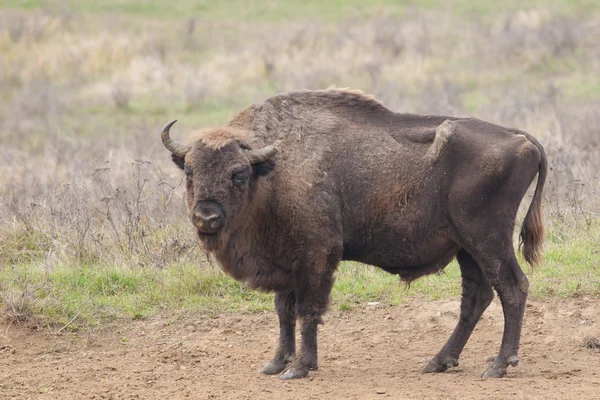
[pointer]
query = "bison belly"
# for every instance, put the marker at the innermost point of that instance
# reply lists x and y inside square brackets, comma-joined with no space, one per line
[399,255]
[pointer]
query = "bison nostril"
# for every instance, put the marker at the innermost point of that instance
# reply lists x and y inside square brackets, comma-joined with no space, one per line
[213,221]
[213,218]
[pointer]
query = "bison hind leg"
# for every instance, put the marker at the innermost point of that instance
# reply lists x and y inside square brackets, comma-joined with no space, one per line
[477,294]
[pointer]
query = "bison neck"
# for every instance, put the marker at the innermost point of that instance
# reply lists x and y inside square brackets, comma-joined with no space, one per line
[246,254]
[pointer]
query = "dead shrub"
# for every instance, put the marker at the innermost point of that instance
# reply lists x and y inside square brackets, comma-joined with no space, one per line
[19,302]
[591,342]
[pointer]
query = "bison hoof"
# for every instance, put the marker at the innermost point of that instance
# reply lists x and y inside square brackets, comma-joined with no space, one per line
[435,365]
[294,373]
[494,372]
[273,367]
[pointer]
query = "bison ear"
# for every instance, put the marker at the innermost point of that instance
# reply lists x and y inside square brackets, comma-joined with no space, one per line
[179,161]
[263,168]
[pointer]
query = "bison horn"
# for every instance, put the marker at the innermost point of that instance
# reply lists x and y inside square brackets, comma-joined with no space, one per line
[178,149]
[262,155]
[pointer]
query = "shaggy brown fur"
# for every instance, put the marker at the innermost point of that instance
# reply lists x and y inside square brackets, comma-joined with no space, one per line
[353,180]
[218,137]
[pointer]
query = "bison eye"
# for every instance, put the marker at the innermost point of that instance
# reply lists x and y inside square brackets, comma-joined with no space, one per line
[239,178]
[188,173]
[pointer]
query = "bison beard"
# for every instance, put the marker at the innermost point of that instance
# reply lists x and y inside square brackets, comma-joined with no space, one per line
[293,185]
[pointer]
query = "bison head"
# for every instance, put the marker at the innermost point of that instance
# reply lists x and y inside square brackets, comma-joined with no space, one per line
[221,175]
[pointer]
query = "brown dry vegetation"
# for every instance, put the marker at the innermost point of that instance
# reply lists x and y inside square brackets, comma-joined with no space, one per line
[85,182]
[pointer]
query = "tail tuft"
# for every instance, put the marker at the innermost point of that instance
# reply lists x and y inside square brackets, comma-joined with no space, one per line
[532,231]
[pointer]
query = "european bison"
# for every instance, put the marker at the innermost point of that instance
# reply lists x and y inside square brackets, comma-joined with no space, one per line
[293,185]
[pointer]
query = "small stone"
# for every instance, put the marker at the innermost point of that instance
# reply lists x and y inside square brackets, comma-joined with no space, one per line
[380,391]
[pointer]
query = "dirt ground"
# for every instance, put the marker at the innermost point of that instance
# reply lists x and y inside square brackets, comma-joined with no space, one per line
[373,354]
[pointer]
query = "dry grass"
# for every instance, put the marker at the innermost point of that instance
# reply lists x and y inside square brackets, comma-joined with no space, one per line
[84,180]
[591,342]
[19,305]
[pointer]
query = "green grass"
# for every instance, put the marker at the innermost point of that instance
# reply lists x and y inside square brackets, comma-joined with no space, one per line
[249,10]
[276,10]
[97,294]
[578,86]
[475,100]
[571,268]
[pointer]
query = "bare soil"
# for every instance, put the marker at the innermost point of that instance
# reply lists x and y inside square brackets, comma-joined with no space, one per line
[375,353]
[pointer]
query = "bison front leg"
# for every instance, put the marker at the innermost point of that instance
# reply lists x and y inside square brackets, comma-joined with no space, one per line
[285,304]
[311,304]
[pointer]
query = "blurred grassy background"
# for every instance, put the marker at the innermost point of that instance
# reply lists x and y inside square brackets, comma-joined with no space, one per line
[92,222]
[278,10]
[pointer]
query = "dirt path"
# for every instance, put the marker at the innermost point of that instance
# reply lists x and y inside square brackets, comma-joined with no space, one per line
[361,354]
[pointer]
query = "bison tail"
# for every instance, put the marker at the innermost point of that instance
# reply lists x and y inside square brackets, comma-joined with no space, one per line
[532,231]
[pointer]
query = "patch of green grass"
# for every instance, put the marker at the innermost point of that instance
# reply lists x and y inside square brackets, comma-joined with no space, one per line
[277,10]
[581,86]
[248,10]
[144,111]
[206,114]
[96,294]
[475,100]
[570,269]
[495,7]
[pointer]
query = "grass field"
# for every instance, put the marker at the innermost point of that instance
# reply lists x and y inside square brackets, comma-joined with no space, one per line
[278,10]
[98,293]
[92,221]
